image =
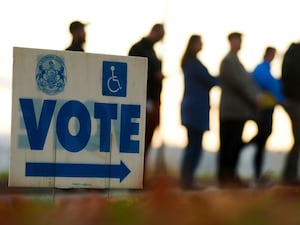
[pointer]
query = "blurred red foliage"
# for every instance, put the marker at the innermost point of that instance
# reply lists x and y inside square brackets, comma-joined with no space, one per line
[162,204]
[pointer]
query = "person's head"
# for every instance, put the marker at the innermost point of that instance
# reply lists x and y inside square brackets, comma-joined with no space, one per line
[157,33]
[235,41]
[269,53]
[78,32]
[194,45]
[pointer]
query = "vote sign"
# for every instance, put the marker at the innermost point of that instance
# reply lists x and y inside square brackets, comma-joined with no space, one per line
[78,120]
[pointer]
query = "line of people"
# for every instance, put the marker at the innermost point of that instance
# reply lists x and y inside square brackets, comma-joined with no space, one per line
[244,96]
[243,99]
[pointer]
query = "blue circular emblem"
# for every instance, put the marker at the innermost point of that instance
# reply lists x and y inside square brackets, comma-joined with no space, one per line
[51,74]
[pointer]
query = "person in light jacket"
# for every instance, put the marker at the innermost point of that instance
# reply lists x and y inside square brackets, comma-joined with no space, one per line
[239,99]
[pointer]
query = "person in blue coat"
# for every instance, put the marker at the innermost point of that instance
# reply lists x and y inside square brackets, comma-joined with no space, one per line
[271,87]
[195,108]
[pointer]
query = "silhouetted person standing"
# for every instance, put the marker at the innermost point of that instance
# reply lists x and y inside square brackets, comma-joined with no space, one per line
[78,36]
[194,108]
[272,87]
[145,48]
[291,92]
[239,99]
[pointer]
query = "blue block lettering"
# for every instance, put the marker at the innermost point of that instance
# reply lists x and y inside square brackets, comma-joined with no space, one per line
[77,139]
[129,128]
[37,132]
[105,112]
[73,143]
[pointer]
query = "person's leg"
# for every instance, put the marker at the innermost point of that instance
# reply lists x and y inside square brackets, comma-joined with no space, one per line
[264,125]
[230,144]
[290,172]
[152,122]
[226,154]
[237,144]
[222,162]
[191,157]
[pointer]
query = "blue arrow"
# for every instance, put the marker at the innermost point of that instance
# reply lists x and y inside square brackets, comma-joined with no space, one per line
[41,169]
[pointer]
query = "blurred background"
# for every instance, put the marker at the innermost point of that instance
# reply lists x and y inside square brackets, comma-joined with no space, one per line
[115,25]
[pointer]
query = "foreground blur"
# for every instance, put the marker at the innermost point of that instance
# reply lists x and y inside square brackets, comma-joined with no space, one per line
[162,204]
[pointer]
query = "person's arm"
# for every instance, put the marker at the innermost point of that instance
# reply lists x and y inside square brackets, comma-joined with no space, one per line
[267,82]
[205,77]
[239,80]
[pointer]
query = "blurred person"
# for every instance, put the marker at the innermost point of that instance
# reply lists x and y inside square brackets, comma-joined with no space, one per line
[145,48]
[195,108]
[77,30]
[271,89]
[290,87]
[238,103]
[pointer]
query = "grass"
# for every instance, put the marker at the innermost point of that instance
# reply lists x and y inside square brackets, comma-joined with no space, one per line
[4,176]
[161,205]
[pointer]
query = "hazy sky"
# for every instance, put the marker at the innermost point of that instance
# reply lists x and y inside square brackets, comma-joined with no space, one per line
[116,24]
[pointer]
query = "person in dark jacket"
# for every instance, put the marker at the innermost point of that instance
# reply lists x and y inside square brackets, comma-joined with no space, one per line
[77,31]
[194,108]
[290,87]
[145,48]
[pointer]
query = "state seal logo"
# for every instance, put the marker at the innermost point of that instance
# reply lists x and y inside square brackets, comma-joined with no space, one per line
[51,74]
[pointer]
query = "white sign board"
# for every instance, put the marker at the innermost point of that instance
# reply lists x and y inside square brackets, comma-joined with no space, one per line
[78,120]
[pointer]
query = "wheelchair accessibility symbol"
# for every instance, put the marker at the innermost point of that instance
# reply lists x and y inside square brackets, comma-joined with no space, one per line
[114,79]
